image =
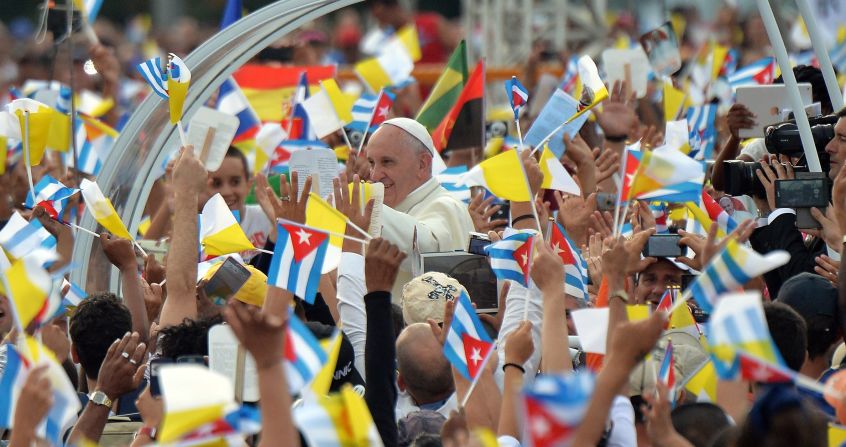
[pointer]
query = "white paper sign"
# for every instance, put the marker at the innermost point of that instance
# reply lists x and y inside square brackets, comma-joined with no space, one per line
[615,61]
[223,358]
[225,126]
[321,164]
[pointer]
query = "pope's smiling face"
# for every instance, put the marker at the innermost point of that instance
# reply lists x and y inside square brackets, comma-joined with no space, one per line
[398,161]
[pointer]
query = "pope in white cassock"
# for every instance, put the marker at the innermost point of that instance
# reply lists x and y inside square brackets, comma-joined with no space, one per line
[401,156]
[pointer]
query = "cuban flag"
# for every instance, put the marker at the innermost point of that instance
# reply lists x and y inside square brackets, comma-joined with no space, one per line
[666,373]
[762,371]
[21,237]
[449,179]
[151,71]
[702,131]
[554,406]
[362,111]
[575,267]
[298,259]
[231,100]
[467,346]
[510,257]
[631,163]
[304,357]
[242,421]
[51,195]
[759,72]
[518,95]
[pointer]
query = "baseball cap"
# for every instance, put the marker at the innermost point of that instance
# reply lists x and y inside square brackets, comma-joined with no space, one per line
[812,296]
[425,297]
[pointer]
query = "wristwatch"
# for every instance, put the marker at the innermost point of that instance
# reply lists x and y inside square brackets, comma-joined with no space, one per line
[621,294]
[100,398]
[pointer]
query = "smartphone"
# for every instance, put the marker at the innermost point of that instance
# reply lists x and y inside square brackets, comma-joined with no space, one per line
[155,365]
[227,280]
[478,242]
[663,246]
[504,211]
[605,201]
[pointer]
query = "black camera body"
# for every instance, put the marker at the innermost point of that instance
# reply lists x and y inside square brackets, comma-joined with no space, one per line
[780,139]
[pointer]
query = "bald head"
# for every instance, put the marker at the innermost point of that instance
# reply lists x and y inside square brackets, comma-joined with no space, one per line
[423,368]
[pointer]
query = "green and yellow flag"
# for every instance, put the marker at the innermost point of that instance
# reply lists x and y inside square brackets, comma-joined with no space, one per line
[446,90]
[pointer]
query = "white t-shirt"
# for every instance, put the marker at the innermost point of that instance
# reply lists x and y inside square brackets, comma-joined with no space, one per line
[622,415]
[257,227]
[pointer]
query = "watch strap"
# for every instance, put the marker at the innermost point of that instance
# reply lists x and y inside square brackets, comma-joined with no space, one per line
[100,398]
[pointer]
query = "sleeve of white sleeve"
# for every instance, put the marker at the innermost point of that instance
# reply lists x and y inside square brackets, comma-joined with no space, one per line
[351,291]
[518,297]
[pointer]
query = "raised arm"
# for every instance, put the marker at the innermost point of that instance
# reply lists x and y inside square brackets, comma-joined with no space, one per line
[121,254]
[380,270]
[518,349]
[263,336]
[548,274]
[189,179]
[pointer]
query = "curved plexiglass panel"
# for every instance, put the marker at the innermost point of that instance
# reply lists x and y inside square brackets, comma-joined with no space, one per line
[148,137]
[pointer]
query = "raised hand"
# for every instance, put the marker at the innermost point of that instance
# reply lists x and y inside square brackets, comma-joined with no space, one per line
[119,252]
[739,117]
[119,373]
[618,114]
[292,204]
[349,203]
[381,264]
[827,268]
[33,404]
[574,214]
[607,163]
[262,334]
[634,247]
[533,172]
[631,341]
[547,269]
[189,174]
[519,345]
[481,212]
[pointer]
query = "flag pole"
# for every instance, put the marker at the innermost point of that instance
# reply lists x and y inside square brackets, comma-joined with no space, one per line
[346,138]
[792,88]
[27,149]
[519,132]
[476,380]
[822,54]
[361,143]
[330,233]
[182,138]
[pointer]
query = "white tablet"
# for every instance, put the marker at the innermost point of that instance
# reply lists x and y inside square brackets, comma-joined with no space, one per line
[767,103]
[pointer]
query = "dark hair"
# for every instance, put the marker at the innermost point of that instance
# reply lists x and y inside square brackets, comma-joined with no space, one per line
[396,318]
[236,153]
[191,337]
[811,75]
[783,418]
[699,422]
[789,333]
[841,113]
[427,440]
[96,323]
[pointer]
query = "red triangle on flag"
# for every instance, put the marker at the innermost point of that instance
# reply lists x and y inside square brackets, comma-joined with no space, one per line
[765,76]
[48,206]
[475,353]
[383,107]
[632,165]
[290,352]
[522,255]
[544,428]
[752,368]
[561,247]
[304,240]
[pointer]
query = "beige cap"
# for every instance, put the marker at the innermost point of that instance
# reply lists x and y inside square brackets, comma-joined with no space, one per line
[415,129]
[424,297]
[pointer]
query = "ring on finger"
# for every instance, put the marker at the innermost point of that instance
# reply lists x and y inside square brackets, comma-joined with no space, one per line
[133,361]
[285,198]
[124,354]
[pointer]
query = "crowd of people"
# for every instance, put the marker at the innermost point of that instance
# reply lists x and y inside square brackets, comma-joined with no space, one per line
[647,369]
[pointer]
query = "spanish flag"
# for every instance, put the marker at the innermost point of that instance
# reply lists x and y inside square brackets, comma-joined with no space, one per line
[268,87]
[463,127]
[220,233]
[102,210]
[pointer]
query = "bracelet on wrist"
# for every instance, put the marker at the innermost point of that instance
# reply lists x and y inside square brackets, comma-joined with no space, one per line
[514,365]
[519,218]
[616,138]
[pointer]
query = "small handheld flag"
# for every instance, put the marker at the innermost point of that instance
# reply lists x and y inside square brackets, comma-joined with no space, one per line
[575,267]
[298,259]
[102,210]
[555,406]
[171,85]
[467,345]
[666,373]
[304,357]
[220,233]
[20,237]
[510,258]
[517,95]
[51,195]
